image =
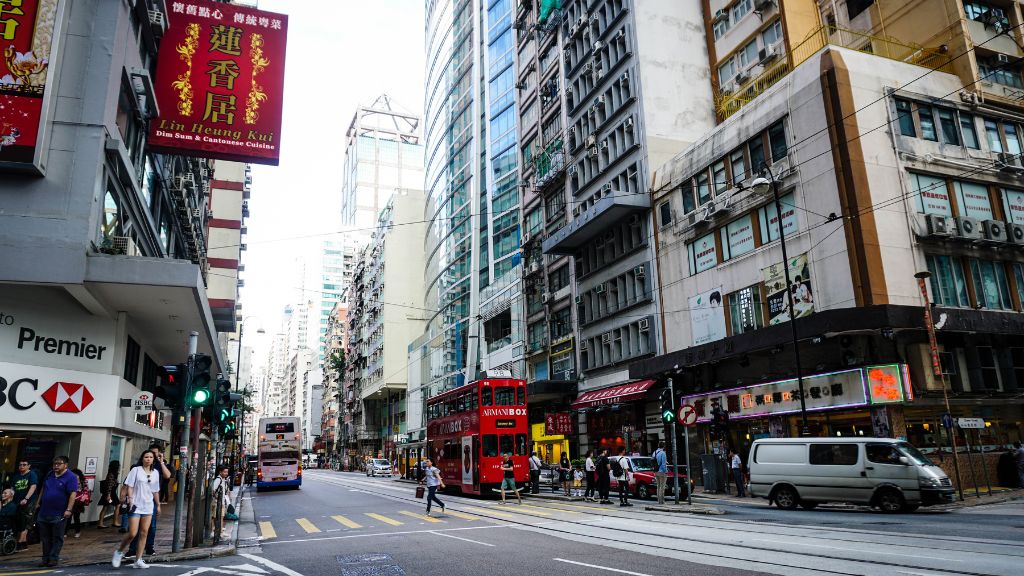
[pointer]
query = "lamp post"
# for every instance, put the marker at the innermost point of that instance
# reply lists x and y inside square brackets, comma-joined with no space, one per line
[762,185]
[238,364]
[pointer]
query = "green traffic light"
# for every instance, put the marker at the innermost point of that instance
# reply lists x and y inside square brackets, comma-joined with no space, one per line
[200,396]
[668,416]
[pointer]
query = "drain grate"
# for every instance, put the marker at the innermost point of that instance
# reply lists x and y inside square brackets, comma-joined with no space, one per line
[364,559]
[369,565]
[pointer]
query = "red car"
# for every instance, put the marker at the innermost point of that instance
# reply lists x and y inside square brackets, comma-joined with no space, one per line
[642,483]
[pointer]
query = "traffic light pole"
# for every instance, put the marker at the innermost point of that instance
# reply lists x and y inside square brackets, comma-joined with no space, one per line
[179,493]
[675,454]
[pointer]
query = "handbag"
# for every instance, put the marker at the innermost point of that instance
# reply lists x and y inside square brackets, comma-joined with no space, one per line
[420,491]
[127,507]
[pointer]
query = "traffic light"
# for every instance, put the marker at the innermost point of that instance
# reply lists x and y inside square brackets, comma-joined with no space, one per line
[199,385]
[171,388]
[719,421]
[224,400]
[668,408]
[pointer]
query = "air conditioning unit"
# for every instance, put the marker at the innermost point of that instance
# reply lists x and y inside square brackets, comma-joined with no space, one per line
[624,79]
[598,45]
[592,151]
[635,220]
[769,53]
[584,345]
[545,297]
[600,288]
[639,271]
[694,218]
[158,22]
[1015,234]
[579,299]
[604,145]
[1009,161]
[572,170]
[628,124]
[124,245]
[938,225]
[606,337]
[970,228]
[589,67]
[1003,58]
[741,77]
[720,16]
[995,230]
[605,189]
[763,5]
[728,88]
[644,324]
[599,101]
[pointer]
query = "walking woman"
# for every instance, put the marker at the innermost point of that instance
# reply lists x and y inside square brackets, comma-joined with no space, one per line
[141,501]
[82,501]
[433,478]
[590,473]
[565,473]
[108,494]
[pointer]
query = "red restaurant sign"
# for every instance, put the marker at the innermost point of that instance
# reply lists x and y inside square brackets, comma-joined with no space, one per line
[613,394]
[558,423]
[220,83]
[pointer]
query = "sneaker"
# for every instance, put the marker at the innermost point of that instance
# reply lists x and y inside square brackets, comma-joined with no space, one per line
[140,563]
[623,504]
[150,552]
[442,508]
[627,504]
[78,534]
[606,501]
[116,560]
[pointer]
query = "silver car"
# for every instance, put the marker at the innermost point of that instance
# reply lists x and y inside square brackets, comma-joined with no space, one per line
[378,467]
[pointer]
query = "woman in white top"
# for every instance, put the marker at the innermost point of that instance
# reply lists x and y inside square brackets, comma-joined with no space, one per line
[220,482]
[143,500]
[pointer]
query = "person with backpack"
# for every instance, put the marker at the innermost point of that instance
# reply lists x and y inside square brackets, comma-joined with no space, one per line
[621,474]
[603,479]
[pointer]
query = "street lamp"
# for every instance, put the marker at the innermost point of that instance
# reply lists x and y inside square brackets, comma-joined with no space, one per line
[761,186]
[238,364]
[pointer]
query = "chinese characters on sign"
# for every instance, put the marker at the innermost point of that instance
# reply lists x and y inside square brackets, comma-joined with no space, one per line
[558,424]
[220,83]
[27,44]
[775,289]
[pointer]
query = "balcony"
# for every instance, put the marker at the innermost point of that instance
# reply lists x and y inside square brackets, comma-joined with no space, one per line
[602,210]
[549,163]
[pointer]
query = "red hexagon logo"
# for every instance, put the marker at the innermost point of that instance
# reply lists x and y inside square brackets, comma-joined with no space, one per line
[67,397]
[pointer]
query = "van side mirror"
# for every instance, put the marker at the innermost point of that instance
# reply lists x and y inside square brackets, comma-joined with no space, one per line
[904,460]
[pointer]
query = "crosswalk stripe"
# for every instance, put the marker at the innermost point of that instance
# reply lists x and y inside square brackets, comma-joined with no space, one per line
[420,517]
[346,522]
[383,519]
[461,515]
[486,512]
[552,509]
[307,525]
[267,530]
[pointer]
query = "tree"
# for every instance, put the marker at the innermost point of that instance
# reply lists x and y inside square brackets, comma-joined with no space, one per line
[337,362]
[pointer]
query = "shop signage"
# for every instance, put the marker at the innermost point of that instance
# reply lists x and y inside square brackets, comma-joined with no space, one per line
[739,236]
[974,201]
[770,225]
[220,82]
[707,317]
[702,253]
[1014,201]
[30,33]
[67,397]
[143,401]
[886,383]
[971,423]
[775,288]
[32,394]
[504,411]
[558,423]
[932,195]
[613,394]
[654,421]
[504,423]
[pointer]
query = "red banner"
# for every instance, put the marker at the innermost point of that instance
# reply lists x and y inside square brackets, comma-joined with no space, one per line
[26,41]
[558,423]
[220,83]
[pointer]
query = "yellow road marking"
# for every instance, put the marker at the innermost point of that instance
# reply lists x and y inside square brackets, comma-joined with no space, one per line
[384,519]
[346,522]
[520,510]
[267,530]
[486,512]
[307,525]
[27,572]
[552,509]
[461,515]
[420,517]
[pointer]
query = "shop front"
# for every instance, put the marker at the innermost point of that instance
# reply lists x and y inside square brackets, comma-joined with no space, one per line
[547,443]
[616,417]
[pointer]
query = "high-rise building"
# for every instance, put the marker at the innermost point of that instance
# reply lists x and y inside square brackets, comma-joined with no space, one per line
[338,260]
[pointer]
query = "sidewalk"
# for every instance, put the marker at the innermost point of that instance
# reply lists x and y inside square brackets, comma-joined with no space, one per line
[96,546]
[999,496]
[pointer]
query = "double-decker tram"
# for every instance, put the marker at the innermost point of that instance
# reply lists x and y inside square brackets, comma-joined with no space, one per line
[471,428]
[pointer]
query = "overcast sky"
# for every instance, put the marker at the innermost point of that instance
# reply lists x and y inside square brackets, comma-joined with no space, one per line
[340,53]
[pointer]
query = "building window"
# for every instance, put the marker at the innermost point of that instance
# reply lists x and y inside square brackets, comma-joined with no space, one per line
[739,10]
[948,124]
[1013,205]
[131,361]
[990,284]
[904,113]
[745,309]
[1012,139]
[995,144]
[702,254]
[721,27]
[969,133]
[665,213]
[560,324]
[534,220]
[989,369]
[932,196]
[703,189]
[777,141]
[112,224]
[984,12]
[562,367]
[769,219]
[1018,274]
[948,285]
[772,34]
[739,168]
[1017,359]
[558,279]
[689,200]
[973,200]
[756,149]
[927,123]
[720,177]
[748,55]
[726,71]
[738,237]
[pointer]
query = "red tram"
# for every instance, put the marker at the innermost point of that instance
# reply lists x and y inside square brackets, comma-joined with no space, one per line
[471,427]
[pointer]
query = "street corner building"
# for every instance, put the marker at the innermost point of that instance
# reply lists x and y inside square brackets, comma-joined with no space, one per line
[105,247]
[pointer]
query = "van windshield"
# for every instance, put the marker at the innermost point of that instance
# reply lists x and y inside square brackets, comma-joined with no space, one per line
[913,454]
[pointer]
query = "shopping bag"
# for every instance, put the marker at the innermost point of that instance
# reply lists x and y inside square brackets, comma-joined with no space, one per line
[420,491]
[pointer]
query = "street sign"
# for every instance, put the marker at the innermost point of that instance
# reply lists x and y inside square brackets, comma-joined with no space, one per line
[627,428]
[947,421]
[971,423]
[143,402]
[688,415]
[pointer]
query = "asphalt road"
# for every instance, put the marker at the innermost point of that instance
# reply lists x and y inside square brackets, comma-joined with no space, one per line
[348,525]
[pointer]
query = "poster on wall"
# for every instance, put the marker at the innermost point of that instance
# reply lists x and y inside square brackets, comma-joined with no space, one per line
[467,459]
[707,316]
[775,290]
[220,83]
[29,39]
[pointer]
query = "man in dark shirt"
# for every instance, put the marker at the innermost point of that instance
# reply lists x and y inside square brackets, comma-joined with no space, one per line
[509,481]
[603,479]
[55,505]
[26,486]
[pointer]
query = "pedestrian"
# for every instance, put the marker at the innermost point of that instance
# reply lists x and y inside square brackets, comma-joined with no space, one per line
[589,469]
[565,473]
[620,470]
[82,501]
[509,481]
[577,482]
[433,478]
[108,494]
[221,486]
[1018,455]
[163,473]
[603,472]
[534,473]
[8,509]
[140,501]
[26,489]
[661,470]
[56,502]
[736,463]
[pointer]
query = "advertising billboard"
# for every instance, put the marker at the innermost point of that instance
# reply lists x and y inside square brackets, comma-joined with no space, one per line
[220,83]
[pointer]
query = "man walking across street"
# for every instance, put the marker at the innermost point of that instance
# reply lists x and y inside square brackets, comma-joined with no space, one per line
[55,506]
[434,481]
[603,479]
[164,471]
[26,488]
[509,481]
[737,473]
[534,473]
[621,473]
[589,469]
[661,470]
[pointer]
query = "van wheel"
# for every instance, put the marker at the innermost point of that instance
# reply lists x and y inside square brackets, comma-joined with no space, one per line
[808,505]
[786,498]
[642,492]
[890,501]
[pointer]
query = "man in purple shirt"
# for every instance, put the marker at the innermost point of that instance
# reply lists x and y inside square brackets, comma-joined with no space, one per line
[55,504]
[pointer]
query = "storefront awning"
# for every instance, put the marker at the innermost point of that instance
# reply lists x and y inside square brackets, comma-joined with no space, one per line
[613,394]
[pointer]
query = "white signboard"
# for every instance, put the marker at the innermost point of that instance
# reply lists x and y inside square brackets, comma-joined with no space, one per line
[932,197]
[1014,204]
[37,395]
[770,221]
[971,423]
[707,317]
[974,201]
[739,236]
[703,254]
[143,401]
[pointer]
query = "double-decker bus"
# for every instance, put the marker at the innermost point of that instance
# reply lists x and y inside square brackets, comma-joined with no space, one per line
[472,427]
[279,452]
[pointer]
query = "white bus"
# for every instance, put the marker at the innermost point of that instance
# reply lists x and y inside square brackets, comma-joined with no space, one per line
[279,452]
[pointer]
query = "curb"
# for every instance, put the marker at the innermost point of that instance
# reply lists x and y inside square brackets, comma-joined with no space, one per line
[704,511]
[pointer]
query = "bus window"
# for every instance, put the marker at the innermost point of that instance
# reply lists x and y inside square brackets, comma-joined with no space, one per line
[521,395]
[485,396]
[490,445]
[506,444]
[504,396]
[520,444]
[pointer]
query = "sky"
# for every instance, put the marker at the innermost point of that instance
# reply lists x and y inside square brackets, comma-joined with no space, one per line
[341,53]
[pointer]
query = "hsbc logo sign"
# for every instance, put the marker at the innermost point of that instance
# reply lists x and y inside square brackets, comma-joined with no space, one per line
[66,397]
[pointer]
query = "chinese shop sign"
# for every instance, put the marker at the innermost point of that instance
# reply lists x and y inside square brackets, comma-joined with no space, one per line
[558,423]
[29,30]
[220,83]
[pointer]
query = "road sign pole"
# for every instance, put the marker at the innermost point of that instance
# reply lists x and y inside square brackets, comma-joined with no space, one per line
[179,493]
[686,455]
[984,464]
[675,454]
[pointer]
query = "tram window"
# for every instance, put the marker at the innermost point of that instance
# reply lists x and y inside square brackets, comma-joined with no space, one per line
[474,401]
[506,444]
[451,450]
[485,396]
[521,395]
[520,444]
[490,446]
[461,403]
[504,396]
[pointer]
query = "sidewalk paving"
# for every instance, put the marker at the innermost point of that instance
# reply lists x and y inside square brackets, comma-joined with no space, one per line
[999,496]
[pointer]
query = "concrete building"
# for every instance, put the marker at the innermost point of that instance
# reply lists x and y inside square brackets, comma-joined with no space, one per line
[229,207]
[332,418]
[338,261]
[295,394]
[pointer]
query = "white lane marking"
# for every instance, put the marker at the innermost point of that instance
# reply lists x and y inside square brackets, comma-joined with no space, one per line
[271,564]
[600,567]
[399,533]
[435,533]
[830,547]
[919,573]
[247,568]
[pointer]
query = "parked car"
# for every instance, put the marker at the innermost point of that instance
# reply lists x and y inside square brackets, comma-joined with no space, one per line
[378,467]
[643,484]
[549,477]
[884,473]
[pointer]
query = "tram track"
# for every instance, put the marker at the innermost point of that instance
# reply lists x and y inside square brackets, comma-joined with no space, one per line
[745,547]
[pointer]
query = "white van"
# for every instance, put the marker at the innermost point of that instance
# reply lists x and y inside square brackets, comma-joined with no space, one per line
[889,474]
